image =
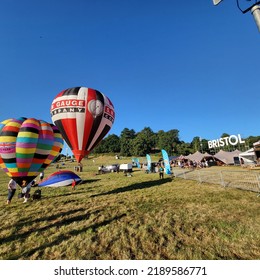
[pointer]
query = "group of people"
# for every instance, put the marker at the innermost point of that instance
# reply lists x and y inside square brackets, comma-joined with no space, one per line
[26,188]
[192,164]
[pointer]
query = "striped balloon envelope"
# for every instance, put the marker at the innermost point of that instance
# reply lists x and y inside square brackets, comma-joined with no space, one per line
[27,147]
[84,116]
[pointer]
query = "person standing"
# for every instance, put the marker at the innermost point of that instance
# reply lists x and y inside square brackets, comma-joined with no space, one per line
[73,184]
[26,190]
[41,176]
[161,172]
[11,190]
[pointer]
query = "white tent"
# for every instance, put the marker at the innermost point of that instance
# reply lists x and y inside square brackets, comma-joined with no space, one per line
[248,156]
[257,151]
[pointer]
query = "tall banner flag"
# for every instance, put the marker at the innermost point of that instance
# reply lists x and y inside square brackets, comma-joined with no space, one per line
[167,167]
[136,161]
[149,163]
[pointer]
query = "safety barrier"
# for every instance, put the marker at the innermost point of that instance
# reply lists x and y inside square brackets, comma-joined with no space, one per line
[246,180]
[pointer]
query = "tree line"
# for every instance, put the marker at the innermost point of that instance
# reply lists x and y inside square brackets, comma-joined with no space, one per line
[132,143]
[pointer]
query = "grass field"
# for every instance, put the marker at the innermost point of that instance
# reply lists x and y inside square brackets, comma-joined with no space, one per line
[113,217]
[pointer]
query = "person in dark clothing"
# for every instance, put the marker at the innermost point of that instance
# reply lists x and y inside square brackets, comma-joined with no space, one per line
[161,172]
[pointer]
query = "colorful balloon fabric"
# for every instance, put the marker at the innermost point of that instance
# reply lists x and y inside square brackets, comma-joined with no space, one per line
[60,179]
[84,116]
[27,147]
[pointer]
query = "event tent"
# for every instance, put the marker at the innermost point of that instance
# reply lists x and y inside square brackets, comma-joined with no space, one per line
[198,156]
[227,157]
[257,150]
[248,156]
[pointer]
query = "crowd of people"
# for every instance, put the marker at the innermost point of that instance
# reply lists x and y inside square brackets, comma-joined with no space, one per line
[192,164]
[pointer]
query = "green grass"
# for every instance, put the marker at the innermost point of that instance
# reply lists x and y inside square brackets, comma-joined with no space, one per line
[113,217]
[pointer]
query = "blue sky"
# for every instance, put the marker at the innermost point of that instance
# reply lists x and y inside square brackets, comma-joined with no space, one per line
[165,64]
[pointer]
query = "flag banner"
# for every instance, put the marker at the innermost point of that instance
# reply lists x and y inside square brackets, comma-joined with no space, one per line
[149,163]
[167,167]
[136,161]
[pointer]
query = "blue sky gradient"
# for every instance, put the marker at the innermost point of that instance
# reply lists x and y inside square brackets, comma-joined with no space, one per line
[185,65]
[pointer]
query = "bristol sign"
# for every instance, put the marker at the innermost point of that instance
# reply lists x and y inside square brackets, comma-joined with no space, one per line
[225,141]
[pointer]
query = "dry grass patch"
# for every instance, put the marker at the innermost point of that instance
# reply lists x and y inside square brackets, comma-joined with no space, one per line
[112,216]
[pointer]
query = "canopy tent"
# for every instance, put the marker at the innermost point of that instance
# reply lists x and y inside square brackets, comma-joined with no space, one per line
[198,156]
[248,156]
[172,158]
[227,157]
[256,144]
[257,151]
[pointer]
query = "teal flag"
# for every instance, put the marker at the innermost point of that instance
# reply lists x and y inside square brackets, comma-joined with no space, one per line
[167,167]
[149,163]
[136,161]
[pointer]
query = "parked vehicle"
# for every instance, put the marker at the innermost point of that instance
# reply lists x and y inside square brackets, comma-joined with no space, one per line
[109,168]
[126,167]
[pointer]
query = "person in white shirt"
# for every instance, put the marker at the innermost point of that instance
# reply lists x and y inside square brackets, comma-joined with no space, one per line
[41,176]
[11,190]
[26,188]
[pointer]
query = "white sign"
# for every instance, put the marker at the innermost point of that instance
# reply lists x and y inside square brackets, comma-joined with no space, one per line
[225,141]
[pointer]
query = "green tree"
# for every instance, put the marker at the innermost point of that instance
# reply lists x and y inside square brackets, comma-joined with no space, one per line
[195,144]
[224,135]
[204,146]
[100,148]
[183,148]
[225,147]
[168,140]
[126,138]
[112,144]
[199,144]
[251,140]
[143,143]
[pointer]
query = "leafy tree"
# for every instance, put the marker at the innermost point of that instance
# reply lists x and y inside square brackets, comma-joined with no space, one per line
[183,148]
[198,144]
[101,147]
[126,137]
[251,140]
[146,141]
[112,143]
[168,140]
[204,146]
[143,143]
[195,144]
[224,135]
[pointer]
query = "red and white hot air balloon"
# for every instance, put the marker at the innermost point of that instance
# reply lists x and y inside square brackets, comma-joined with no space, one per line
[84,116]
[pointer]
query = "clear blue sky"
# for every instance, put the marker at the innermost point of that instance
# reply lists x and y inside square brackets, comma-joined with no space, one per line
[165,64]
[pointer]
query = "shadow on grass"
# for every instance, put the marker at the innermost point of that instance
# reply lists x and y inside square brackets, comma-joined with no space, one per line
[88,181]
[73,192]
[52,223]
[136,186]
[65,236]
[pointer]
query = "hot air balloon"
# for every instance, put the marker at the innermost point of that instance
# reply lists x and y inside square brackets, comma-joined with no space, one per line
[60,178]
[27,147]
[84,116]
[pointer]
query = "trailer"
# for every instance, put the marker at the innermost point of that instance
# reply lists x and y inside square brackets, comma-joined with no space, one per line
[126,167]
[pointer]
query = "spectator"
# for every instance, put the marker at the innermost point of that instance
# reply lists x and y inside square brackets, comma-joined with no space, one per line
[11,190]
[41,176]
[26,188]
[161,172]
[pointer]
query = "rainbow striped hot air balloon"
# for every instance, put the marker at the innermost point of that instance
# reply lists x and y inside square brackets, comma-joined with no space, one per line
[84,116]
[27,147]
